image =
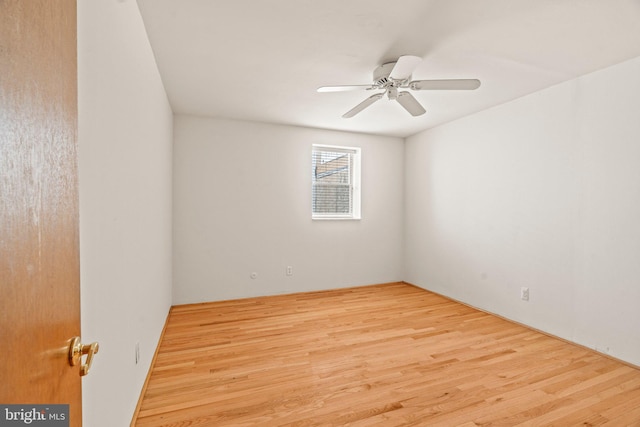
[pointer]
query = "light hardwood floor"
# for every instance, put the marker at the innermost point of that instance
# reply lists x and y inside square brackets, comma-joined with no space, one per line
[384,355]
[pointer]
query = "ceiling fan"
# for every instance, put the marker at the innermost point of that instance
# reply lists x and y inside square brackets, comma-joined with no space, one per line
[392,77]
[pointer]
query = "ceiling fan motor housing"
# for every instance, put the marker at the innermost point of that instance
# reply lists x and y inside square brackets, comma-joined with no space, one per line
[381,74]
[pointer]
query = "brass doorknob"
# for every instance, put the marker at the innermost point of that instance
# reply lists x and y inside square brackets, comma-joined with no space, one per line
[77,350]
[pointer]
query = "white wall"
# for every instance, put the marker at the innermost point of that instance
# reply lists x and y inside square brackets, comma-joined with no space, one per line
[242,204]
[125,142]
[542,192]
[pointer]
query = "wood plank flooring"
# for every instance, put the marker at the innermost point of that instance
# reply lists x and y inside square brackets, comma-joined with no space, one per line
[384,355]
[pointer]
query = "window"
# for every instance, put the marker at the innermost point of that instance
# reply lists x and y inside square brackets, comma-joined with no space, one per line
[335,181]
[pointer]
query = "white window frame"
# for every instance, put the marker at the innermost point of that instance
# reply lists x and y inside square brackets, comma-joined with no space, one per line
[355,183]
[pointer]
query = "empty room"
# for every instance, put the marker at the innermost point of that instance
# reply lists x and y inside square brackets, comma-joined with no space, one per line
[363,213]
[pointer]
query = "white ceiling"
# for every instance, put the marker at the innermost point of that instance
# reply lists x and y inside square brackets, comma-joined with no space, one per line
[263,60]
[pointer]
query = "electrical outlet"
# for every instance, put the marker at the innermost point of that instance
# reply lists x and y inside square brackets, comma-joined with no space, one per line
[289,270]
[524,294]
[137,352]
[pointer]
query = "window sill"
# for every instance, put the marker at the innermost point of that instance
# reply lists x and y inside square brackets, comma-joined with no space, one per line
[335,218]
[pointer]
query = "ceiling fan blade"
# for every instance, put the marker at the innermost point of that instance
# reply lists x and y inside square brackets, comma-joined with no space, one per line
[410,104]
[344,88]
[404,67]
[364,104]
[450,84]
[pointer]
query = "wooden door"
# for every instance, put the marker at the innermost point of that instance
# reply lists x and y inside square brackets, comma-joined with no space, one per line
[39,259]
